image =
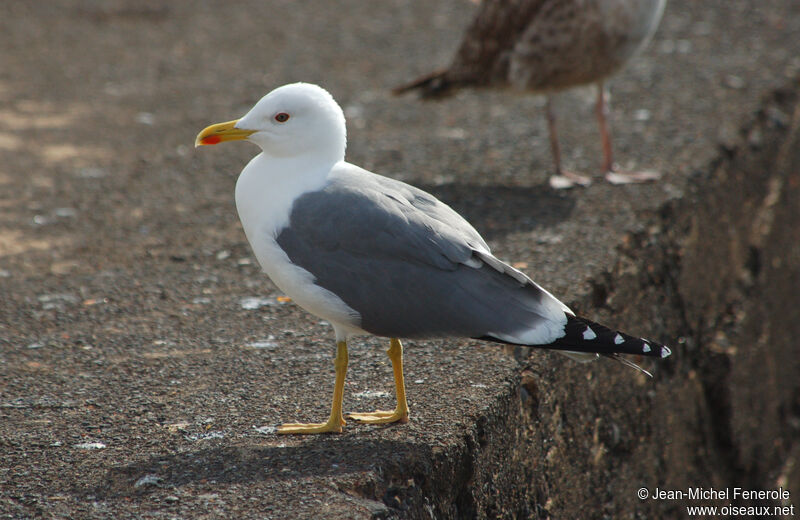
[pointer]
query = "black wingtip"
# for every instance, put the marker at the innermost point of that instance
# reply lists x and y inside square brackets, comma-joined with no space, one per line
[583,335]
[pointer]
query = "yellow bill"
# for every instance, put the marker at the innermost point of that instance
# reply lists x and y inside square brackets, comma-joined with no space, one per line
[220,132]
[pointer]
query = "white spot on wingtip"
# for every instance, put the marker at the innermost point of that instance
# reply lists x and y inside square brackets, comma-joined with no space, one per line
[646,347]
[589,334]
[618,339]
[665,352]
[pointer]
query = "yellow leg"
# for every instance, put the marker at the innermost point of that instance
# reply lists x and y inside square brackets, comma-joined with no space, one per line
[335,421]
[400,414]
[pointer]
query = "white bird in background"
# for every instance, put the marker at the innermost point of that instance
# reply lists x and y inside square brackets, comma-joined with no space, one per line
[545,46]
[372,255]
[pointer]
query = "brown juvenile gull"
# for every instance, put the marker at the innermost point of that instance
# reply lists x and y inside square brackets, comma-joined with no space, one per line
[372,255]
[545,46]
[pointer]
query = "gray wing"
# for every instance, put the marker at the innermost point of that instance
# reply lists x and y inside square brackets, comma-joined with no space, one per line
[411,266]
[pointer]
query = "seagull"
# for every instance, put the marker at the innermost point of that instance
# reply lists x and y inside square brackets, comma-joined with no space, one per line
[373,255]
[545,46]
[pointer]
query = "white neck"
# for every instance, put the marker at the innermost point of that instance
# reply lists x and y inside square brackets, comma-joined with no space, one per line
[267,187]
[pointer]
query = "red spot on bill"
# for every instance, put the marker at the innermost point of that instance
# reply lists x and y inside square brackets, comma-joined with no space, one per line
[211,139]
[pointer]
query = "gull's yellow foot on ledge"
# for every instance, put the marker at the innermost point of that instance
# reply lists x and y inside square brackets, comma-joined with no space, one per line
[335,421]
[308,428]
[380,417]
[400,414]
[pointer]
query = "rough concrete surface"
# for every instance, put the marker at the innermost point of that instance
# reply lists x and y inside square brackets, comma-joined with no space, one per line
[137,371]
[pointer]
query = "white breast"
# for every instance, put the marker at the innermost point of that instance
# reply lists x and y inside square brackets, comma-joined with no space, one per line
[264,194]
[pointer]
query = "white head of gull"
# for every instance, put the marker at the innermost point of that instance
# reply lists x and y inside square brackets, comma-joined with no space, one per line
[373,255]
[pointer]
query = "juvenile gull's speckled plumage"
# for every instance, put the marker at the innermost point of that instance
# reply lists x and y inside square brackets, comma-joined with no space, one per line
[375,255]
[549,45]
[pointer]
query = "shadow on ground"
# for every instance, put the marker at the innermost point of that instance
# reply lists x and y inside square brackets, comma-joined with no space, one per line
[319,457]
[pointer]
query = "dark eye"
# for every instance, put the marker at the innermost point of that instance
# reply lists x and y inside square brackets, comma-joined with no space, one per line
[282,117]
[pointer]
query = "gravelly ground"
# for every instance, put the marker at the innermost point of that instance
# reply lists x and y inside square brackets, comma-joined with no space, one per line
[123,269]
